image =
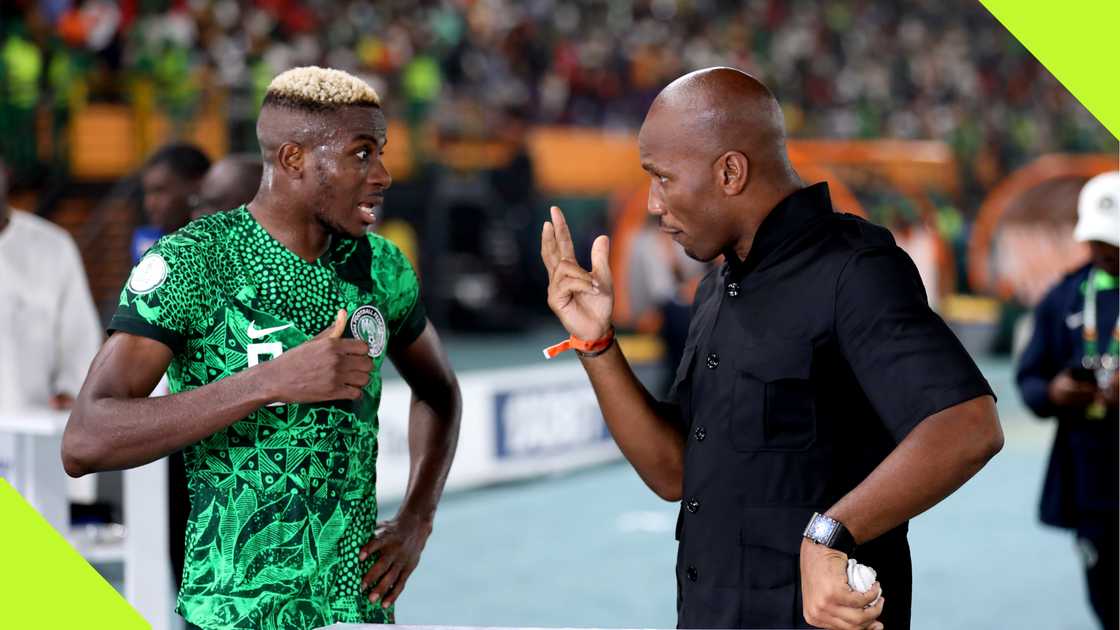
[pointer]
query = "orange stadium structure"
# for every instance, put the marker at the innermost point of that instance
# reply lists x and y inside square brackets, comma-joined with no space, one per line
[1022,241]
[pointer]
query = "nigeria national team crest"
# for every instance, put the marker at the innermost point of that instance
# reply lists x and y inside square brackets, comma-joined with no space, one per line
[368,325]
[148,274]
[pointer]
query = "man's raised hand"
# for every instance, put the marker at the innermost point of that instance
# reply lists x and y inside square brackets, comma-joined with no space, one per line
[582,300]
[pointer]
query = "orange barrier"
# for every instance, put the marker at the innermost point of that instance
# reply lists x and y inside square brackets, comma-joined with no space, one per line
[1041,244]
[585,162]
[108,141]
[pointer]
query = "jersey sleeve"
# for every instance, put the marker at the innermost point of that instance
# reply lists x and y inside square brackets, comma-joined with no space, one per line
[907,360]
[163,294]
[405,311]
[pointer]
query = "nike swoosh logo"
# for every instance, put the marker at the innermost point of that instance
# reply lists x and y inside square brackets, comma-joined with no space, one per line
[255,333]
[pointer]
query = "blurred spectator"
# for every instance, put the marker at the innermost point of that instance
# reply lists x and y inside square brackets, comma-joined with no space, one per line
[231,182]
[169,179]
[49,329]
[1069,371]
[21,70]
[663,280]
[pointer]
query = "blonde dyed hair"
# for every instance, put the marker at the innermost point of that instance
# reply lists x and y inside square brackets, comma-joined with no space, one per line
[317,89]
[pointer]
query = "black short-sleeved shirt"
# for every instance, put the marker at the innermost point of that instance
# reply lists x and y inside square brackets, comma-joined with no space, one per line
[805,365]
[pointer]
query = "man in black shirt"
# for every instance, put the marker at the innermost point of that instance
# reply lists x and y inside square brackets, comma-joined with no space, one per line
[815,378]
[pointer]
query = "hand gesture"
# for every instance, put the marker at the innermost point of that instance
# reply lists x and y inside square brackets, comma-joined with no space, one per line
[397,544]
[827,600]
[327,367]
[582,300]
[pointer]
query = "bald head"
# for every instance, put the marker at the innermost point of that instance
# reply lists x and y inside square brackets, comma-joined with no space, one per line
[714,145]
[230,182]
[724,109]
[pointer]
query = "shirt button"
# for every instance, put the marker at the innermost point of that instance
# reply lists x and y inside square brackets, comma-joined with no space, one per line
[692,506]
[701,433]
[692,574]
[733,289]
[713,361]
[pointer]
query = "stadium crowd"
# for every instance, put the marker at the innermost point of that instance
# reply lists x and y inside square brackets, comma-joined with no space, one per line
[850,69]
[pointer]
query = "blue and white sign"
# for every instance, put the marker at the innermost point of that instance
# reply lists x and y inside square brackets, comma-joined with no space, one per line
[547,420]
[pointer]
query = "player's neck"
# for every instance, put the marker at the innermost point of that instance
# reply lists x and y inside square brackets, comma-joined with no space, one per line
[754,212]
[297,231]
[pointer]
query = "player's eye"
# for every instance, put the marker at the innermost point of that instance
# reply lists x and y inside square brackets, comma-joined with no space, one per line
[363,154]
[664,180]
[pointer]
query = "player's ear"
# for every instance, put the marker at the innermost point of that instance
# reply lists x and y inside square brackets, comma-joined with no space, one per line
[732,170]
[290,159]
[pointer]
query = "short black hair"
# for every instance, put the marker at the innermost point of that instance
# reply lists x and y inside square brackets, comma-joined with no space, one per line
[183,158]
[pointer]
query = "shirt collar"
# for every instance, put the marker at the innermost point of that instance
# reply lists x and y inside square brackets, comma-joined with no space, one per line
[784,221]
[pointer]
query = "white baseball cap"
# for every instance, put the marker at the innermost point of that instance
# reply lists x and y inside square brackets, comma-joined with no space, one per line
[1098,210]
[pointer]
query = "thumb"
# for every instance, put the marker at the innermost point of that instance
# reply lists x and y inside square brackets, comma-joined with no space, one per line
[335,330]
[601,260]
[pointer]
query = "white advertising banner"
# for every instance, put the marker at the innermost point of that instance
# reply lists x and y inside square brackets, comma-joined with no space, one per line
[517,423]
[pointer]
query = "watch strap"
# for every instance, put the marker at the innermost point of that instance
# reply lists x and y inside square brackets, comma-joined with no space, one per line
[831,533]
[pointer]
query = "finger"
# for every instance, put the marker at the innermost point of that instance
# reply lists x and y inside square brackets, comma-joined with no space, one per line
[353,347]
[567,268]
[871,615]
[550,253]
[397,588]
[345,392]
[563,235]
[355,378]
[568,286]
[864,599]
[335,330]
[856,617]
[601,260]
[356,363]
[377,571]
[856,599]
[370,548]
[386,585]
[378,583]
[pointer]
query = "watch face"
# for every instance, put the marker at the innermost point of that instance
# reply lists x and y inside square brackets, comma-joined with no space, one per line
[822,529]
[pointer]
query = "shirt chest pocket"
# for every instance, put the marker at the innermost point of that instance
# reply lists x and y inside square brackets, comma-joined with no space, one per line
[772,406]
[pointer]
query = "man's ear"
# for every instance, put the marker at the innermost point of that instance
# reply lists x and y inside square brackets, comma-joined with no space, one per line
[732,172]
[289,158]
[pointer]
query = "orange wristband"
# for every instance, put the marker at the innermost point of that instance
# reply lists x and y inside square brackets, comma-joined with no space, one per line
[574,343]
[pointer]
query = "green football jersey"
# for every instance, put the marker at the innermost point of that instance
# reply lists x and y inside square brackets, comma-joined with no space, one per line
[282,500]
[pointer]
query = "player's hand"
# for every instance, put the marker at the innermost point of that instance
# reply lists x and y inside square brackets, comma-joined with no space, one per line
[327,367]
[582,300]
[398,544]
[827,600]
[1111,395]
[1066,391]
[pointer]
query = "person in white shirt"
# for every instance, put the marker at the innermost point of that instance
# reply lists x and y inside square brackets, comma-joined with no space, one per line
[49,328]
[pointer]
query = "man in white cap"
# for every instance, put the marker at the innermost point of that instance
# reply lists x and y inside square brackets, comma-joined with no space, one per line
[1069,372]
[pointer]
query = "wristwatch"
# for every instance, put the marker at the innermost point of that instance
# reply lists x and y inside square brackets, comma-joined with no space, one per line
[831,533]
